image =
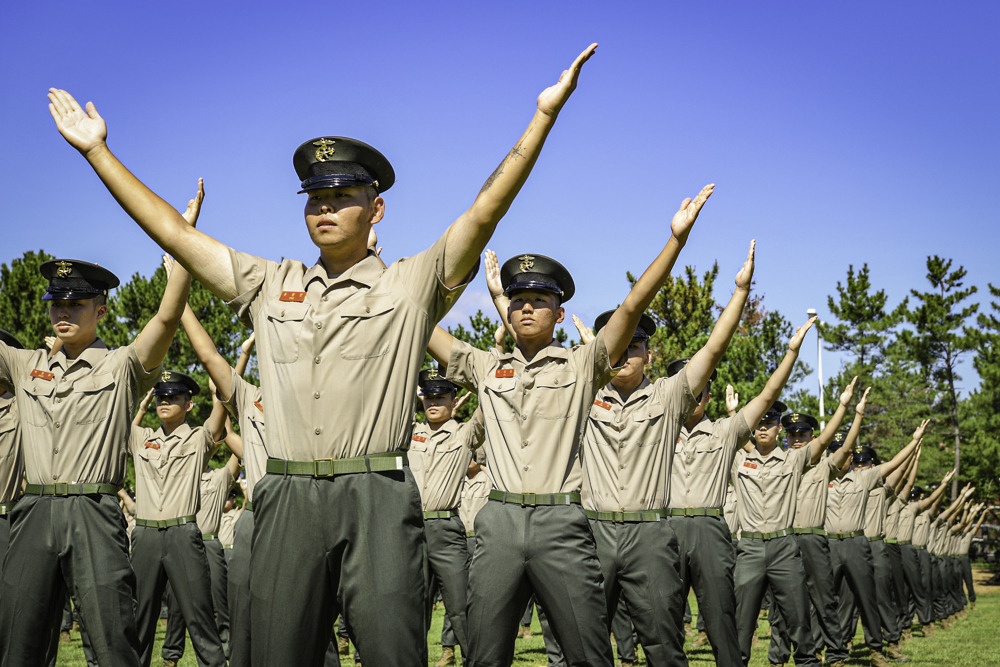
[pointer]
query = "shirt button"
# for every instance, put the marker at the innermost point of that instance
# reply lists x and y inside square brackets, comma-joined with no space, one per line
[318,430]
[525,467]
[326,297]
[368,309]
[621,446]
[319,325]
[282,313]
[58,400]
[523,417]
[316,395]
[58,424]
[55,451]
[621,466]
[55,477]
[315,360]
[524,443]
[622,488]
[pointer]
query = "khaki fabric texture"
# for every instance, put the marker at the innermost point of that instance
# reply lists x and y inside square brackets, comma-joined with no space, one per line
[168,470]
[628,444]
[729,510]
[347,344]
[766,487]
[810,503]
[846,499]
[892,518]
[475,494]
[75,414]
[702,459]
[11,459]
[921,527]
[215,485]
[876,509]
[440,459]
[246,405]
[227,526]
[535,412]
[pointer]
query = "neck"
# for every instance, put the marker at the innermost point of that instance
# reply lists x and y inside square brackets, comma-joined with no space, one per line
[693,420]
[626,386]
[338,260]
[765,450]
[171,426]
[433,426]
[529,348]
[73,349]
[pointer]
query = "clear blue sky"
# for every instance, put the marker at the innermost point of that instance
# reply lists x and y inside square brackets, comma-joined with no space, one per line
[837,133]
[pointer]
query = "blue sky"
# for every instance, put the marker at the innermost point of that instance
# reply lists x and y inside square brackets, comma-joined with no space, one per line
[837,133]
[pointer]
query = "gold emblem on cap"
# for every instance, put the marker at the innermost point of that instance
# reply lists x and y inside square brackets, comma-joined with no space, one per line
[432,374]
[165,377]
[65,268]
[527,263]
[795,416]
[326,150]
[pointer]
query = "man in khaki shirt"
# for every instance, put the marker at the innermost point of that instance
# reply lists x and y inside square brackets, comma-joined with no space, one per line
[535,401]
[916,518]
[11,460]
[440,453]
[342,337]
[167,543]
[74,408]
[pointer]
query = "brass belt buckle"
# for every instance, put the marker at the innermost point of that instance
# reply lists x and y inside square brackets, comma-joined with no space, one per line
[161,524]
[528,499]
[320,462]
[689,511]
[60,489]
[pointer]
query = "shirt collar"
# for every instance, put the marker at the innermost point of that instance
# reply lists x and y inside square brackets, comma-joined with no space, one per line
[776,453]
[181,432]
[640,393]
[90,356]
[365,272]
[553,350]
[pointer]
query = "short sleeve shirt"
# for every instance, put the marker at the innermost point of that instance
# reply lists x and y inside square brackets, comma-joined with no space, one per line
[907,518]
[535,411]
[729,510]
[215,485]
[628,444]
[75,414]
[227,527]
[810,505]
[876,508]
[475,494]
[766,487]
[702,460]
[11,461]
[168,470]
[247,406]
[892,517]
[440,460]
[847,497]
[921,528]
[339,355]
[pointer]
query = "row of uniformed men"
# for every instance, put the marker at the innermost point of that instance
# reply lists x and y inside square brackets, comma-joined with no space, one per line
[338,522]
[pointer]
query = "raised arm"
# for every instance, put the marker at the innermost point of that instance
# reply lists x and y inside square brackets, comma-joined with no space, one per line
[758,405]
[206,259]
[819,444]
[586,334]
[218,419]
[620,328]
[468,235]
[911,476]
[140,411]
[704,361]
[897,479]
[841,456]
[905,453]
[732,401]
[439,345]
[244,360]
[491,266]
[935,496]
[208,354]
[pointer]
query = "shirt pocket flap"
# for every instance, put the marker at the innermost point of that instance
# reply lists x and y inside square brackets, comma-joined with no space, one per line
[287,311]
[367,306]
[94,383]
[555,380]
[39,387]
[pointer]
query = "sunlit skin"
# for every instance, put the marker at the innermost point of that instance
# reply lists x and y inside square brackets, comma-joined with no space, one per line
[630,376]
[699,411]
[534,314]
[75,323]
[766,436]
[473,470]
[339,221]
[798,439]
[172,410]
[438,409]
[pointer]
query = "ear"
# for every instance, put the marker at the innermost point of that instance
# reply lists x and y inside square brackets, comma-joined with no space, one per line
[189,406]
[562,315]
[378,210]
[649,356]
[102,310]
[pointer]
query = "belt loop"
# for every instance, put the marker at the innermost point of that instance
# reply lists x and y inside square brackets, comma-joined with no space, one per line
[368,463]
[285,462]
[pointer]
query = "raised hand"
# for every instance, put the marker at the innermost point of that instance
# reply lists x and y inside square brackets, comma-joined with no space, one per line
[685,216]
[745,276]
[796,342]
[194,205]
[586,335]
[461,400]
[373,242]
[848,394]
[168,264]
[554,97]
[492,266]
[863,403]
[919,432]
[84,130]
[498,337]
[732,400]
[248,343]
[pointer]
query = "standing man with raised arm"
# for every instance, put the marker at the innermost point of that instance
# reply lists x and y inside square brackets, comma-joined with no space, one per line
[918,515]
[11,459]
[533,535]
[341,337]
[75,407]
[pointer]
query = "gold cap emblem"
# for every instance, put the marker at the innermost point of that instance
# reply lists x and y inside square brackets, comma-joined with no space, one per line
[326,150]
[527,263]
[165,377]
[795,416]
[65,268]
[432,374]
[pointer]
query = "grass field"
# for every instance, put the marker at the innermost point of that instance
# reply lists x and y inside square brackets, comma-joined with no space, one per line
[969,643]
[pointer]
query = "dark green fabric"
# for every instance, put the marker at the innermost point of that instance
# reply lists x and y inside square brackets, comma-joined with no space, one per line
[239,592]
[66,489]
[854,570]
[535,499]
[448,562]
[163,524]
[173,641]
[330,468]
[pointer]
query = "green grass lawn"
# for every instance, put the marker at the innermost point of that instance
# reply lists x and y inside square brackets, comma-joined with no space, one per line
[970,643]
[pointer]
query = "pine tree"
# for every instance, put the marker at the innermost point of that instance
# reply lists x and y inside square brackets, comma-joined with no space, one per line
[981,411]
[22,311]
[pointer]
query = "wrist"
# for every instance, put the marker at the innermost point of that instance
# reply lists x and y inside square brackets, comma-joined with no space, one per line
[96,151]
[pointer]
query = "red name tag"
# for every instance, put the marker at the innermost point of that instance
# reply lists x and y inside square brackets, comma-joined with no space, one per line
[505,373]
[831,485]
[602,404]
[152,445]
[420,438]
[259,406]
[42,375]
[747,464]
[296,297]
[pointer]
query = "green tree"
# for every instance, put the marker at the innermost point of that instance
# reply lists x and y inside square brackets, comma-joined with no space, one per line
[940,338]
[22,311]
[684,311]
[981,411]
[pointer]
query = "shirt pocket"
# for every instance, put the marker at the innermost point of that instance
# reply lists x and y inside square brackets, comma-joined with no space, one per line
[285,322]
[37,410]
[93,397]
[7,439]
[555,395]
[498,398]
[648,424]
[367,322]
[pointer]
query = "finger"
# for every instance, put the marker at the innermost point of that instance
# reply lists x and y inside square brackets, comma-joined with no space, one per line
[583,57]
[750,253]
[63,101]
[684,204]
[705,193]
[92,111]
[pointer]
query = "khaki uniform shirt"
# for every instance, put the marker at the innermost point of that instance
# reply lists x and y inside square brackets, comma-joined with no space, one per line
[247,407]
[892,518]
[215,485]
[440,460]
[227,527]
[628,445]
[475,494]
[846,499]
[339,355]
[766,487]
[876,508]
[168,470]
[965,541]
[702,460]
[729,510]
[535,412]
[75,413]
[907,518]
[11,461]
[921,528]
[810,503]
[938,533]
